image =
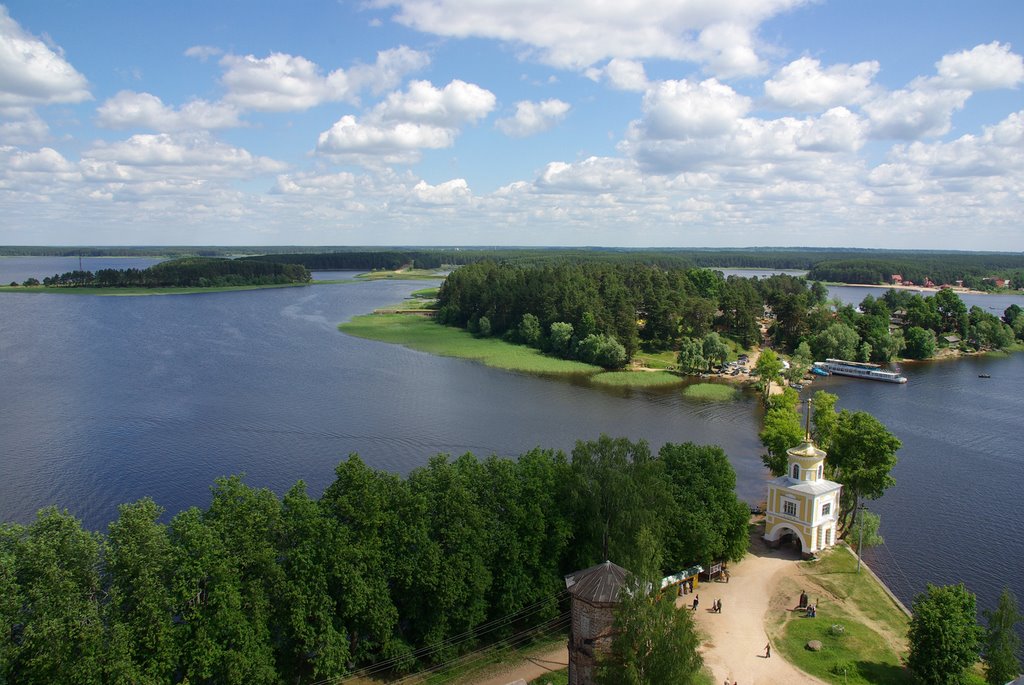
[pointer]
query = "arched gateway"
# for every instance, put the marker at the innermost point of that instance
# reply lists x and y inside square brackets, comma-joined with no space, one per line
[802,504]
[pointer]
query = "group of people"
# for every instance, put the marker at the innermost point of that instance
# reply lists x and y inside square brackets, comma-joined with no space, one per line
[805,604]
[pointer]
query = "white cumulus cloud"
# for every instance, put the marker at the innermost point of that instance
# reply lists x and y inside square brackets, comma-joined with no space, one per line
[728,49]
[594,174]
[421,117]
[533,117]
[23,126]
[447,193]
[914,113]
[677,109]
[804,85]
[151,157]
[837,130]
[983,67]
[456,104]
[129,109]
[282,82]
[391,142]
[622,74]
[577,34]
[31,73]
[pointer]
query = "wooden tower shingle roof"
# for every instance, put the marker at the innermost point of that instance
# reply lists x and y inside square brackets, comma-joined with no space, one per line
[598,584]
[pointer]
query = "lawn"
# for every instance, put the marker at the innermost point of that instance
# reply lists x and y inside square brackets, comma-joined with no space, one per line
[666,359]
[862,630]
[423,334]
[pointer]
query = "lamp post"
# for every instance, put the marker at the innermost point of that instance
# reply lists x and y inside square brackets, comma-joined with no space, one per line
[860,535]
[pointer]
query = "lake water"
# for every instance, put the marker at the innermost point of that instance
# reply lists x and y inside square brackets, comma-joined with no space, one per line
[107,399]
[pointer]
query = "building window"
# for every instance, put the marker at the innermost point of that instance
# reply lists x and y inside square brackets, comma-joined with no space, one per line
[819,471]
[789,508]
[796,471]
[828,537]
[826,508]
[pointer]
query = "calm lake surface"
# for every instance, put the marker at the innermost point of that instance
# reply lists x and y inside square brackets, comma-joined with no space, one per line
[109,399]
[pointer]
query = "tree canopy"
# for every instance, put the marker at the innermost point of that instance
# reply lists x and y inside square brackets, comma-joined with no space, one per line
[945,638]
[381,573]
[1001,647]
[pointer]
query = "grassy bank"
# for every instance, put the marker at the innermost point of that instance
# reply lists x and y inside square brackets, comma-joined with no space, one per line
[637,379]
[712,392]
[862,630]
[136,292]
[421,333]
[405,275]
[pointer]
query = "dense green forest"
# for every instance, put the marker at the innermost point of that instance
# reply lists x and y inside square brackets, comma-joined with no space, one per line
[380,573]
[826,264]
[971,269]
[603,313]
[191,272]
[848,265]
[589,311]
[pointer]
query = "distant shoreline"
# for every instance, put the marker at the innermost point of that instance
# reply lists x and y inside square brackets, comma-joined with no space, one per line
[918,288]
[139,292]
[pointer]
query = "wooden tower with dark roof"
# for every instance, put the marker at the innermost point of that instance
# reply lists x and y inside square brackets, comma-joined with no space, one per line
[595,594]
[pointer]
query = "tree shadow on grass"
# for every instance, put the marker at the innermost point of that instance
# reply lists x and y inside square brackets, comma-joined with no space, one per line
[884,674]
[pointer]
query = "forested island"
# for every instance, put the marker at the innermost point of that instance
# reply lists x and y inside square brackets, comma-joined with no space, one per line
[605,313]
[380,573]
[186,272]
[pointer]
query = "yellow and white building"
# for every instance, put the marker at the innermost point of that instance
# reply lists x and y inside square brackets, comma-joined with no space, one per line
[802,504]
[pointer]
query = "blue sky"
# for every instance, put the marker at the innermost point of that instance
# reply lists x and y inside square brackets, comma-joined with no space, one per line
[513,122]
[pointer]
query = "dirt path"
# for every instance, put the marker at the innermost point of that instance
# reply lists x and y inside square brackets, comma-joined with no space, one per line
[765,583]
[734,639]
[535,667]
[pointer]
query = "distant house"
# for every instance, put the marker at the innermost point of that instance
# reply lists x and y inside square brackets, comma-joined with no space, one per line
[952,339]
[896,279]
[928,283]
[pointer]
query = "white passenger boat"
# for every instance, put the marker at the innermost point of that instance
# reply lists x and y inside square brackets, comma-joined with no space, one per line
[873,372]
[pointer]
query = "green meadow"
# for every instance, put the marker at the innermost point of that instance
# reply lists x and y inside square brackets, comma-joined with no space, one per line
[423,334]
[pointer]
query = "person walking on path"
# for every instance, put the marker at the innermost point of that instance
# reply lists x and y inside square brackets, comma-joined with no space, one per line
[768,651]
[718,607]
[696,601]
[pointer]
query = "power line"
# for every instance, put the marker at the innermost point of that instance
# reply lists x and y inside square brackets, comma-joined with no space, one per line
[484,652]
[453,641]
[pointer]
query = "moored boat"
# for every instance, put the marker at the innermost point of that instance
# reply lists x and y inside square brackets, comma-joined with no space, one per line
[874,372]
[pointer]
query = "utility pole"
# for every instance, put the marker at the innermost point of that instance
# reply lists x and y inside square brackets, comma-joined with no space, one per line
[860,536]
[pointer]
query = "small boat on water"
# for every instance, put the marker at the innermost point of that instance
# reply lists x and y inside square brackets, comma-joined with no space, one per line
[874,372]
[818,371]
[984,375]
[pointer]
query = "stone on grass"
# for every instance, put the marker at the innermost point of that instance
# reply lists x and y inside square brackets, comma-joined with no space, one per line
[814,645]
